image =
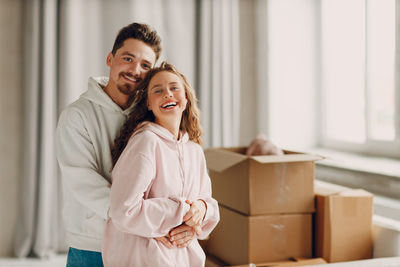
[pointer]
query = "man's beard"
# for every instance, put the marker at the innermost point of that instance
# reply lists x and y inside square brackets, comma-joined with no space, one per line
[126,89]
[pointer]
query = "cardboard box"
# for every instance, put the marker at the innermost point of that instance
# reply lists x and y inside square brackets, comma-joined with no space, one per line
[203,243]
[292,262]
[212,261]
[262,184]
[343,223]
[240,239]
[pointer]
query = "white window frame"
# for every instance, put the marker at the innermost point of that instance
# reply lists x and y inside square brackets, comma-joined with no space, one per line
[370,147]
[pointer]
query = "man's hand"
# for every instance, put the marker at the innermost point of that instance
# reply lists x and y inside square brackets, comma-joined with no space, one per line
[165,241]
[182,235]
[194,217]
[261,146]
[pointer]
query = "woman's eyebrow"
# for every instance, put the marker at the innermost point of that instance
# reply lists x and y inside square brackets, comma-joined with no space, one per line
[160,85]
[155,86]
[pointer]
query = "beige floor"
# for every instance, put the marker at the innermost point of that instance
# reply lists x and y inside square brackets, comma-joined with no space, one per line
[57,261]
[380,262]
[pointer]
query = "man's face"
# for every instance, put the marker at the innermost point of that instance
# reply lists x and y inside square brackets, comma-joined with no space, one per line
[129,65]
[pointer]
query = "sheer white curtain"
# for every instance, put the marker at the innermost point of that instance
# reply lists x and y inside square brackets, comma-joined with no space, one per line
[218,73]
[65,42]
[38,228]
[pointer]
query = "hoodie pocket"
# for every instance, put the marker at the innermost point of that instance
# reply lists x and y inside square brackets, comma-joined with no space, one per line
[93,225]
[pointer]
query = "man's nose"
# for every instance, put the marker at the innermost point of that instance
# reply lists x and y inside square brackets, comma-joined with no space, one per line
[135,68]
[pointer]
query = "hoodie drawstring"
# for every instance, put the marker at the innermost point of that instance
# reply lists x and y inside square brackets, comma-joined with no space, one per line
[181,164]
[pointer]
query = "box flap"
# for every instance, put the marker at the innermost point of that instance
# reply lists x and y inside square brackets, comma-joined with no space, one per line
[286,158]
[221,159]
[326,189]
[356,193]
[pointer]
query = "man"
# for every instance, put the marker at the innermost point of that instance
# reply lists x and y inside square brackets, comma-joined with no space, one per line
[85,133]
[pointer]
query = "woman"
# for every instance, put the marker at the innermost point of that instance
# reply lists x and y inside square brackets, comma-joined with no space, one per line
[160,178]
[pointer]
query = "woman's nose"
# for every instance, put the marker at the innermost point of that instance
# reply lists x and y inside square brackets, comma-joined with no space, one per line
[168,93]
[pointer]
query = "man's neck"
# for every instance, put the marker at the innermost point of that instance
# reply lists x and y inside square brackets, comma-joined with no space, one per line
[119,98]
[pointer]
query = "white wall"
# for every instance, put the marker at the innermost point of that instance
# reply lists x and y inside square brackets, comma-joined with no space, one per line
[278,66]
[248,107]
[291,106]
[10,118]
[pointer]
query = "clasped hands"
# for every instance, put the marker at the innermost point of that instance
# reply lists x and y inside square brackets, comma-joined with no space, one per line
[183,234]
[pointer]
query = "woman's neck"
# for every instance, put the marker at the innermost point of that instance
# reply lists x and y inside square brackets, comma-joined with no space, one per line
[172,126]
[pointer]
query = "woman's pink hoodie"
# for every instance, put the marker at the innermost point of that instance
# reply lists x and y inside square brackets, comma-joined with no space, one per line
[153,177]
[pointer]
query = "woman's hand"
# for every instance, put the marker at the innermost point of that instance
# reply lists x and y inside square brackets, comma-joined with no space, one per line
[194,217]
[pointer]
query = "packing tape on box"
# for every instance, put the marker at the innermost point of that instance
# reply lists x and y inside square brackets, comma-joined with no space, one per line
[279,236]
[280,170]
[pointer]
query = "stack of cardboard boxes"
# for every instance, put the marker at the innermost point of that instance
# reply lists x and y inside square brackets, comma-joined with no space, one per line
[266,205]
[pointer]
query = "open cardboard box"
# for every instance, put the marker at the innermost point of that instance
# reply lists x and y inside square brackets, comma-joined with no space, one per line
[258,185]
[343,223]
[240,239]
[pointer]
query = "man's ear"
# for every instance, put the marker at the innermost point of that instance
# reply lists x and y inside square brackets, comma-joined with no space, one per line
[109,58]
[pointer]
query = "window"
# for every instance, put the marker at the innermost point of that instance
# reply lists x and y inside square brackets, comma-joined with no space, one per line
[360,76]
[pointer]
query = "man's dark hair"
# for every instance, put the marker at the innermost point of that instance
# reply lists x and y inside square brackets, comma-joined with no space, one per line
[138,31]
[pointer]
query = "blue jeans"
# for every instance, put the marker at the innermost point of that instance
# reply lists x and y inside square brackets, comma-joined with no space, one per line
[83,258]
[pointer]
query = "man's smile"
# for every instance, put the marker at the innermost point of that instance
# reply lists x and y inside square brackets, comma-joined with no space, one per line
[130,78]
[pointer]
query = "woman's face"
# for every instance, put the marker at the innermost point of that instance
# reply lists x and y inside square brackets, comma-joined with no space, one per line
[166,96]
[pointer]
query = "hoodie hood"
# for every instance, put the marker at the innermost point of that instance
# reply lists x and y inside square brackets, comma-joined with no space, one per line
[160,131]
[96,94]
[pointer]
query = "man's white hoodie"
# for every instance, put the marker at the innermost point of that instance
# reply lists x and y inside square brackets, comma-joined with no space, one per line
[85,133]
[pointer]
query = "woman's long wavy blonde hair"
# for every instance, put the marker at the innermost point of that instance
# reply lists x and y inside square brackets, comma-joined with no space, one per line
[190,122]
